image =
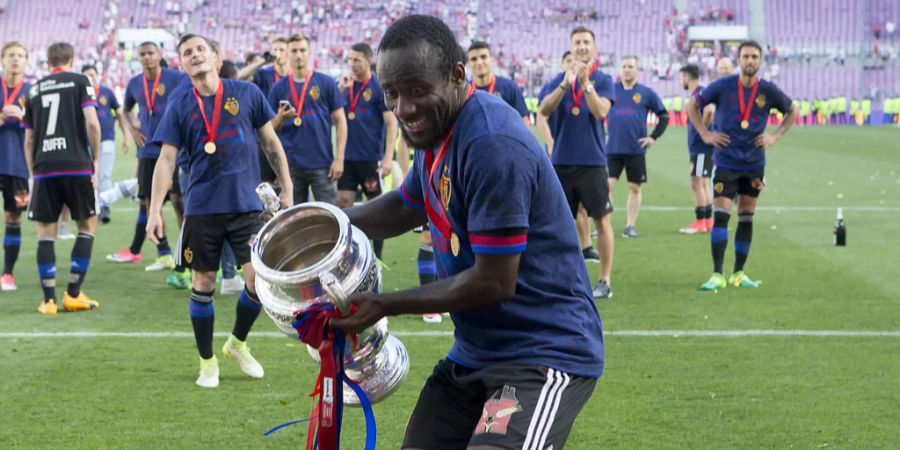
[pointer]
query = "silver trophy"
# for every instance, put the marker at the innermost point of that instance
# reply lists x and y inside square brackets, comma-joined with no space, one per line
[311,253]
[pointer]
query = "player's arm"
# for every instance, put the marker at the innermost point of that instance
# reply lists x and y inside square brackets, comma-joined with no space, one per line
[122,122]
[711,138]
[386,216]
[544,131]
[340,125]
[597,96]
[552,100]
[767,140]
[28,148]
[658,130]
[390,138]
[490,281]
[709,112]
[92,124]
[248,71]
[275,155]
[162,182]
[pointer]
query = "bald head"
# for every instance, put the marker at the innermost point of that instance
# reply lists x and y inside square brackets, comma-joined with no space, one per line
[724,67]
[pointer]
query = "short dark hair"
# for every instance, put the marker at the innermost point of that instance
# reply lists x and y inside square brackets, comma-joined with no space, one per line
[753,44]
[60,53]
[190,36]
[296,37]
[691,70]
[363,48]
[250,56]
[279,39]
[566,55]
[150,43]
[582,29]
[228,70]
[479,45]
[87,67]
[414,29]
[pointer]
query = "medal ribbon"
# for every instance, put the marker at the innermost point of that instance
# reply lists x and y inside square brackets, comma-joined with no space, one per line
[9,98]
[57,70]
[576,95]
[436,213]
[491,85]
[150,97]
[354,99]
[745,109]
[212,129]
[298,101]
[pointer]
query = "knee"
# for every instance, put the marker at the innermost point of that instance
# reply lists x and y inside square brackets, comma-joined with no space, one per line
[634,188]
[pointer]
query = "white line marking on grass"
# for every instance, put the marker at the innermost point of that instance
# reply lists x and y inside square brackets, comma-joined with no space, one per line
[662,208]
[623,333]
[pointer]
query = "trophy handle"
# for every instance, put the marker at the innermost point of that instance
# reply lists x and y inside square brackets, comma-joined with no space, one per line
[335,292]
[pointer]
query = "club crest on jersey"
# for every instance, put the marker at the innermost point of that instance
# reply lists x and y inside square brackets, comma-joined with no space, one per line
[367,94]
[636,97]
[314,92]
[444,187]
[761,101]
[188,255]
[232,106]
[103,101]
[498,411]
[22,101]
[161,90]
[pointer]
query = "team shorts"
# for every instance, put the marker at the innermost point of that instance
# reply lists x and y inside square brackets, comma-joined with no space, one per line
[15,193]
[701,164]
[727,182]
[146,166]
[361,175]
[588,185]
[51,194]
[504,405]
[635,167]
[202,237]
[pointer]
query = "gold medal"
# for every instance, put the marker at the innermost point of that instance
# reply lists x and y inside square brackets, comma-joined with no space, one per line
[745,124]
[454,244]
[298,121]
[576,110]
[209,148]
[351,115]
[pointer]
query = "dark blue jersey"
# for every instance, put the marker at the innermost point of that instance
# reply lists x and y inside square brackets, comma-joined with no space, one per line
[169,81]
[225,181]
[500,195]
[12,134]
[742,152]
[309,146]
[628,118]
[106,106]
[579,139]
[509,91]
[365,131]
[265,78]
[696,145]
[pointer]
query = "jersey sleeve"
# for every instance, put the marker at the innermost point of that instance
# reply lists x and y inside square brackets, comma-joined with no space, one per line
[656,104]
[130,101]
[498,182]
[519,100]
[710,94]
[605,87]
[780,100]
[258,79]
[86,96]
[379,104]
[28,114]
[548,88]
[261,113]
[411,190]
[336,99]
[169,129]
[113,101]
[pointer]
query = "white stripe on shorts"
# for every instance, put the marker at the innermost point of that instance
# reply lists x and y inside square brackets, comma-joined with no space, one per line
[545,409]
[698,168]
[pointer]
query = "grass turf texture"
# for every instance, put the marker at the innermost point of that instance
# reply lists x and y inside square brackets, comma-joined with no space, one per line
[657,392]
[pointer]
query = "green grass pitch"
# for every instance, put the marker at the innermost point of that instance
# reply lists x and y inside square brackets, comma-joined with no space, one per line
[669,391]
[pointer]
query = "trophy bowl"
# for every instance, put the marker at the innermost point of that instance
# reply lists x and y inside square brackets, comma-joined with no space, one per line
[310,253]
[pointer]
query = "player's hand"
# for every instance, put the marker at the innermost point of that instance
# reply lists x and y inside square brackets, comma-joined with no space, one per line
[125,146]
[369,310]
[154,227]
[387,165]
[716,139]
[646,142]
[583,72]
[12,111]
[287,197]
[336,170]
[345,82]
[767,140]
[284,111]
[571,76]
[139,140]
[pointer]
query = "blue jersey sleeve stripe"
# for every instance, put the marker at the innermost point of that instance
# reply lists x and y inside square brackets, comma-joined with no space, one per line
[499,249]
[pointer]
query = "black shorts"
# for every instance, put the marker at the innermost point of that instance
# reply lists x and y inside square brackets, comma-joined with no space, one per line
[146,167]
[361,175]
[51,194]
[504,405]
[202,237]
[727,182]
[588,185]
[15,193]
[635,167]
[701,164]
